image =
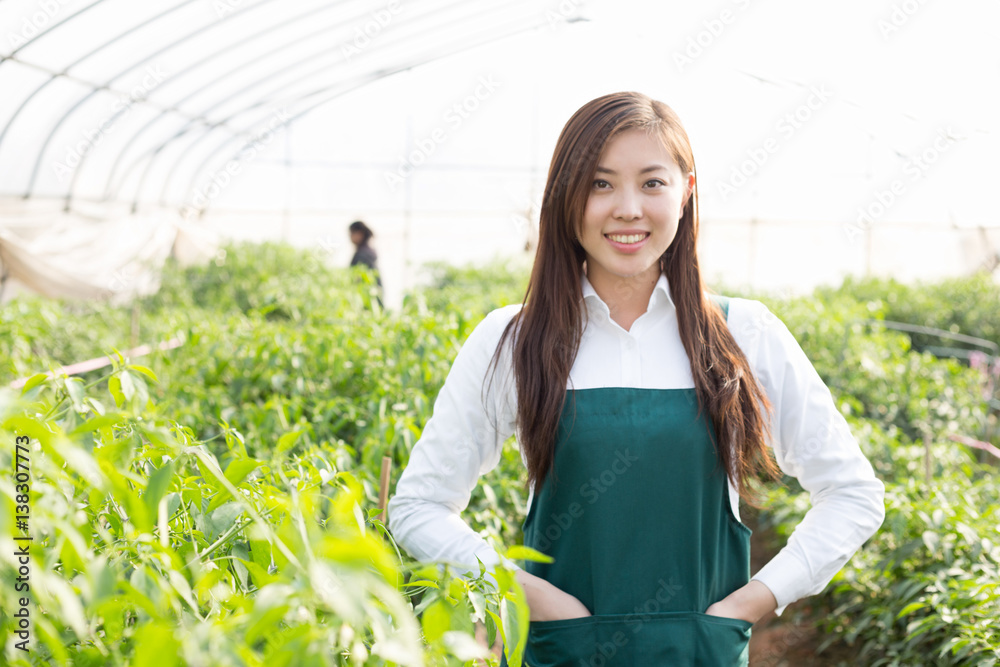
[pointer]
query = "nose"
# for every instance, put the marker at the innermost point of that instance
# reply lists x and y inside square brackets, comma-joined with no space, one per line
[627,205]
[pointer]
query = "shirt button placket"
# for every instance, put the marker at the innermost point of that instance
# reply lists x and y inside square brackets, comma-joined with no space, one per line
[631,371]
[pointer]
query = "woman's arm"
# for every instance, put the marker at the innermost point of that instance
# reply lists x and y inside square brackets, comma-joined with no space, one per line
[546,602]
[458,444]
[812,442]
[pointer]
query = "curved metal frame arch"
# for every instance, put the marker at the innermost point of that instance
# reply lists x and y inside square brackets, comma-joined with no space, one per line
[186,129]
[75,63]
[176,103]
[201,114]
[207,134]
[373,77]
[10,56]
[143,61]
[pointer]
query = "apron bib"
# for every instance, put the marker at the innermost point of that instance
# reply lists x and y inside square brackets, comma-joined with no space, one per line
[636,515]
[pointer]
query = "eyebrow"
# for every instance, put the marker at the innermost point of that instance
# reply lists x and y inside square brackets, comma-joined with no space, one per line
[652,167]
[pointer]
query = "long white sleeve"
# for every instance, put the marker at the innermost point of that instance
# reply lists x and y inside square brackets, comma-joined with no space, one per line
[812,442]
[458,444]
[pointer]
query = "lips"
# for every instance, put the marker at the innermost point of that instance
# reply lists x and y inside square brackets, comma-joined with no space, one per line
[628,241]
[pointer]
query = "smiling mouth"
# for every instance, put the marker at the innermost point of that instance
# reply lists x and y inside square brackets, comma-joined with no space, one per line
[627,238]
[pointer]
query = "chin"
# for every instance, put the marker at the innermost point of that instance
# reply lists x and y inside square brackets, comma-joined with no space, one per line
[634,272]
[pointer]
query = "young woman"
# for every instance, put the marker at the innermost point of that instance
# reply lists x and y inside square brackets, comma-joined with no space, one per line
[643,408]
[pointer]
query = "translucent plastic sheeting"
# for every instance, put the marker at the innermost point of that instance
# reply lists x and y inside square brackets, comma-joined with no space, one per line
[75,257]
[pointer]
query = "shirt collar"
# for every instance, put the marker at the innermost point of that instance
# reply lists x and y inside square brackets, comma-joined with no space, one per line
[659,298]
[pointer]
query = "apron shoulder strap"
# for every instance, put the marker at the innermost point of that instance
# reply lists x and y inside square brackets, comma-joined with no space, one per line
[722,302]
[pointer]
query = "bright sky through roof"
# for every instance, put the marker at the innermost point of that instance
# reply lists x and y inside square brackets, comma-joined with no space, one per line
[796,110]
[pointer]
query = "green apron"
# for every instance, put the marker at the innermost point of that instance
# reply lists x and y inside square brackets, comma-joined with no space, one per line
[636,514]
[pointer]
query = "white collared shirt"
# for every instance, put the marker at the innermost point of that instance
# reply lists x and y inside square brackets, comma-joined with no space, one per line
[811,439]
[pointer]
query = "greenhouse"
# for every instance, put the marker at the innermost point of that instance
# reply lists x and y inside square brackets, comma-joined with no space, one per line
[256,259]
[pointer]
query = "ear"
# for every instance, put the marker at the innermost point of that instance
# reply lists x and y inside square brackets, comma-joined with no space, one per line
[689,190]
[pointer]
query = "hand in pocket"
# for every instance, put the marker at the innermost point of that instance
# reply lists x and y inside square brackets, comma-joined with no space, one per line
[722,610]
[547,602]
[748,603]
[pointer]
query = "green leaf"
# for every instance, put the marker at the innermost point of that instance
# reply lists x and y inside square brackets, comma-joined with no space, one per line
[241,555]
[286,441]
[237,471]
[74,388]
[260,552]
[115,387]
[127,385]
[478,601]
[360,518]
[436,620]
[157,485]
[910,608]
[519,551]
[155,646]
[260,575]
[34,381]
[145,371]
[96,423]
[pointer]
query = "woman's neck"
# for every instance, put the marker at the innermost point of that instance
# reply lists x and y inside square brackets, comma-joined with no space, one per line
[627,298]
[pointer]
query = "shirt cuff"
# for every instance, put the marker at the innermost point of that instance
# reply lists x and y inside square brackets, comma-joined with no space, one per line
[782,575]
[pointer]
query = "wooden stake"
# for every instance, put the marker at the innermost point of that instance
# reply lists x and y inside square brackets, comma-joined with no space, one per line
[383,486]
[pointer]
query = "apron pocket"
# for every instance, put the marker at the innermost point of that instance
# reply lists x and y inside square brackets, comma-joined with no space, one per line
[685,638]
[562,643]
[722,641]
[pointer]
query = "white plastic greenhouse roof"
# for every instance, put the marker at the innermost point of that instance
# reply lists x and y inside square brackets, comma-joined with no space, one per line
[128,130]
[116,100]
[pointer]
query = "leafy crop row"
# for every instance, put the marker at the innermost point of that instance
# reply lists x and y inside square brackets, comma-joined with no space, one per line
[217,505]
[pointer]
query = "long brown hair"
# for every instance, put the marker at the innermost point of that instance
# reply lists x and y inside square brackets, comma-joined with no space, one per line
[550,325]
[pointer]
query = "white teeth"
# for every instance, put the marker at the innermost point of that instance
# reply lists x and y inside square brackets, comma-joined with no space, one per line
[629,238]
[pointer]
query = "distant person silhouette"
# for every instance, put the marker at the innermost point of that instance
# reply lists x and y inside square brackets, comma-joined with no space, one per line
[364,253]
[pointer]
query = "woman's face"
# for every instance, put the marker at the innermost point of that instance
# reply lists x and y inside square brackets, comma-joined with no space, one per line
[635,202]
